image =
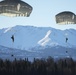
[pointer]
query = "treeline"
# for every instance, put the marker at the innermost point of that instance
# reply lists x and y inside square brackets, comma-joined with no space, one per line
[38,67]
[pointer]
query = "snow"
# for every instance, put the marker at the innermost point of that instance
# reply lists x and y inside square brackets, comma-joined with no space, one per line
[27,37]
[8,29]
[45,40]
[37,42]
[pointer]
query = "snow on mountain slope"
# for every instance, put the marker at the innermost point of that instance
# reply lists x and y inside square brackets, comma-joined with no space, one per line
[45,40]
[27,37]
[7,29]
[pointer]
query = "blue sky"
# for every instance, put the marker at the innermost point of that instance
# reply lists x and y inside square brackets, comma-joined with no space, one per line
[43,14]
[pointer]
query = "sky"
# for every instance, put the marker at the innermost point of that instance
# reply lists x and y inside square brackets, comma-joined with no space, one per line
[43,14]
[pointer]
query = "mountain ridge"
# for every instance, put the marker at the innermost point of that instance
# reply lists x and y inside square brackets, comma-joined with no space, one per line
[29,36]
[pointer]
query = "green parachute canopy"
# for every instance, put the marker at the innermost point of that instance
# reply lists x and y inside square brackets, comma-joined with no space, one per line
[14,8]
[65,17]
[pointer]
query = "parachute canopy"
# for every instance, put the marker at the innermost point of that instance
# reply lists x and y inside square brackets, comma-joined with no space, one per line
[14,8]
[65,17]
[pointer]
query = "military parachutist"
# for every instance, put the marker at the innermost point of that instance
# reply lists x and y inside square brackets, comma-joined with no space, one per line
[12,38]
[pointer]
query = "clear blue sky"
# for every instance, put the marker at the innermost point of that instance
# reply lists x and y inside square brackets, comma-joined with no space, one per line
[43,14]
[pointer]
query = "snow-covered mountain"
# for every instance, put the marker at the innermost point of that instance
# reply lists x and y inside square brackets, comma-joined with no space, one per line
[26,37]
[37,42]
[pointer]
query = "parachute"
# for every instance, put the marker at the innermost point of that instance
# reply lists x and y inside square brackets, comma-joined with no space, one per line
[65,17]
[15,8]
